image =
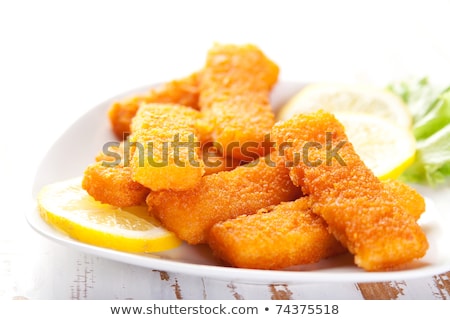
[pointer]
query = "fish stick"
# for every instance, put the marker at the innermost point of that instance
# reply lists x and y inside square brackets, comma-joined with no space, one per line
[221,196]
[235,85]
[166,143]
[277,237]
[183,91]
[288,234]
[107,180]
[360,212]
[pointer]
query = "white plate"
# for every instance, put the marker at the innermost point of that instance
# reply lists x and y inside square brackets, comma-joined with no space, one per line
[77,147]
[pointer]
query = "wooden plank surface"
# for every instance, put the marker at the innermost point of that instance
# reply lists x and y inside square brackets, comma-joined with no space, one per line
[56,272]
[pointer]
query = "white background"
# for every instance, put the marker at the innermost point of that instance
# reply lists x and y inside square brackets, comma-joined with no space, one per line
[60,58]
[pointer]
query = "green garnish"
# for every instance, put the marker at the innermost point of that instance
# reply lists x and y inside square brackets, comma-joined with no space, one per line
[430,110]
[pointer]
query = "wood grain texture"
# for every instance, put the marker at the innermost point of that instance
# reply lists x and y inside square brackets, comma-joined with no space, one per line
[442,284]
[75,275]
[382,290]
[177,290]
[174,284]
[233,289]
[84,278]
[280,292]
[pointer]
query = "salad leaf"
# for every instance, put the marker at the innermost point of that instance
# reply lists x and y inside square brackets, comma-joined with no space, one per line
[417,94]
[432,162]
[430,109]
[436,117]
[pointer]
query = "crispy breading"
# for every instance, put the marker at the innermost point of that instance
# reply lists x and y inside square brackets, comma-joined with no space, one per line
[181,91]
[407,197]
[107,180]
[360,212]
[221,196]
[166,143]
[217,163]
[235,85]
[277,237]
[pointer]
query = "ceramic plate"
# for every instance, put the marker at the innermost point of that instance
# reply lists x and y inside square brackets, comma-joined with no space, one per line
[77,147]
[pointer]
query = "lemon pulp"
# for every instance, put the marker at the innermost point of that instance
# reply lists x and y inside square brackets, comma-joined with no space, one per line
[385,148]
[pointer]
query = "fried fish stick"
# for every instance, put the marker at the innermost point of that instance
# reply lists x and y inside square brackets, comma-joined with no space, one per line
[221,196]
[107,180]
[289,233]
[183,91]
[277,237]
[166,143]
[234,97]
[360,212]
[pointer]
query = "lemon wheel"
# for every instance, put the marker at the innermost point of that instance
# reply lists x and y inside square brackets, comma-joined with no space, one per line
[69,208]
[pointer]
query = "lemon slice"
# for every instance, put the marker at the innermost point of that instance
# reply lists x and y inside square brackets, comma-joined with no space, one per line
[333,98]
[69,208]
[385,148]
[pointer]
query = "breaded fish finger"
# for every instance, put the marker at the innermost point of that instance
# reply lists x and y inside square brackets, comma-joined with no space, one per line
[166,143]
[221,196]
[360,212]
[289,233]
[280,236]
[235,85]
[108,181]
[181,91]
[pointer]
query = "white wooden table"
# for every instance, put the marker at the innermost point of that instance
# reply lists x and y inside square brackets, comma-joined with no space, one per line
[59,60]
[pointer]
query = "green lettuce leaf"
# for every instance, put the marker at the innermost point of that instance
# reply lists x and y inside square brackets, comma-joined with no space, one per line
[430,109]
[436,117]
[432,163]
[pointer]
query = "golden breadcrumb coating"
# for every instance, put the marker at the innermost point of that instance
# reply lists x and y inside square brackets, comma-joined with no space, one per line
[181,91]
[166,143]
[407,197]
[235,85]
[108,181]
[277,237]
[361,213]
[221,196]
[217,163]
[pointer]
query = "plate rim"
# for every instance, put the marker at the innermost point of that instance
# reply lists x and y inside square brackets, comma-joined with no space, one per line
[249,276]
